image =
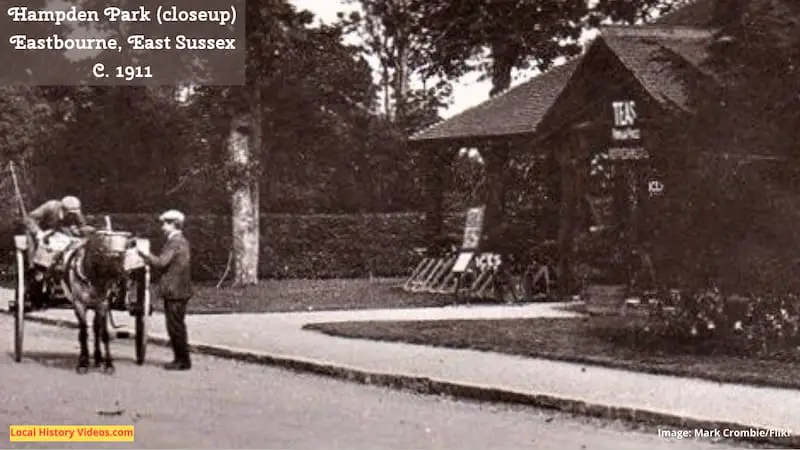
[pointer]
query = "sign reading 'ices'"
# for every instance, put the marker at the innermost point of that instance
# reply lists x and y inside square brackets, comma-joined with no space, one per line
[625,135]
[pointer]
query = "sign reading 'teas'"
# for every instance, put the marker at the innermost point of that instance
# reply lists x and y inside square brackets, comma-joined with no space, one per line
[626,133]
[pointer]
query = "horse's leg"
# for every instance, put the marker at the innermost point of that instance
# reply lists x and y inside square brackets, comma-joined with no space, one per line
[98,334]
[83,338]
[109,368]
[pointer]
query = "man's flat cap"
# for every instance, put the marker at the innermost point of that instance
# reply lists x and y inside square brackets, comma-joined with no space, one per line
[173,215]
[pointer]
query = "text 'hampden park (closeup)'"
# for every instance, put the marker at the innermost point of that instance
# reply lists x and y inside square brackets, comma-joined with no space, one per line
[115,14]
[214,32]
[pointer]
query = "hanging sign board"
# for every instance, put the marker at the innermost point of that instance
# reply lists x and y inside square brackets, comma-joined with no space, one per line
[473,228]
[472,238]
[625,135]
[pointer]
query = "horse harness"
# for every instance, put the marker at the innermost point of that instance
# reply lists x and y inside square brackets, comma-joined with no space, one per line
[69,259]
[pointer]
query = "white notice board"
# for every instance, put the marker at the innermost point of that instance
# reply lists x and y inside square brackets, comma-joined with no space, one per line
[473,228]
[462,262]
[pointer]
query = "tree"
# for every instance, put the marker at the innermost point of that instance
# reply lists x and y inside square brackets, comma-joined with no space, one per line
[496,36]
[389,32]
[458,33]
[300,81]
[632,11]
[25,120]
[757,60]
[269,22]
[105,140]
[80,105]
[735,206]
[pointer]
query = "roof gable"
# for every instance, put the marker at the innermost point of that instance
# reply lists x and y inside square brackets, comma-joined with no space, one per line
[515,111]
[646,52]
[521,109]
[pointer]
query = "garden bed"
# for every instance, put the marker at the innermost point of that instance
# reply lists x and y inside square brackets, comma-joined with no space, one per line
[612,341]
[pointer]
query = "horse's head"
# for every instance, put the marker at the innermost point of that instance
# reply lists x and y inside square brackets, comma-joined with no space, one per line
[101,266]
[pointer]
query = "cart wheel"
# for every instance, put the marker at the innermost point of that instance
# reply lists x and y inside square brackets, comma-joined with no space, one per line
[19,327]
[19,311]
[141,312]
[141,337]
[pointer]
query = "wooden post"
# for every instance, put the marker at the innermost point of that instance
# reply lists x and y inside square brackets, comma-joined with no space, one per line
[571,186]
[496,159]
[564,220]
[434,162]
[634,198]
[627,150]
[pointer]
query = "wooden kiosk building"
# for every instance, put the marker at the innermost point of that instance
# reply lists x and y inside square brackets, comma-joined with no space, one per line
[629,96]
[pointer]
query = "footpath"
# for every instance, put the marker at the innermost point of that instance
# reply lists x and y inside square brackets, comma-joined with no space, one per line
[670,402]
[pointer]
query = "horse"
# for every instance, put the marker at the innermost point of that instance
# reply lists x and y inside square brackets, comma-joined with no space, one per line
[91,276]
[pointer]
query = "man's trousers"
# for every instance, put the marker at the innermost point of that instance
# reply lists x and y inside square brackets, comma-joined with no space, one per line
[175,315]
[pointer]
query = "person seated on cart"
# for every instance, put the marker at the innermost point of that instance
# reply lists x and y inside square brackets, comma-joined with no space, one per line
[62,216]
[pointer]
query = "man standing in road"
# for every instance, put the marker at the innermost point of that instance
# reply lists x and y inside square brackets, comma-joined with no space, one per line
[175,285]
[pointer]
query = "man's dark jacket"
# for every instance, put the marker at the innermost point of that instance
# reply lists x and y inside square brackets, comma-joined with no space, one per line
[51,216]
[174,266]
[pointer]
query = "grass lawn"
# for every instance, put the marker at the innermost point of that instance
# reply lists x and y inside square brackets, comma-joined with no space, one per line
[302,295]
[311,295]
[602,340]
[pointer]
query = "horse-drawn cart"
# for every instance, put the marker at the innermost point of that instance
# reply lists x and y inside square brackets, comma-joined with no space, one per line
[35,291]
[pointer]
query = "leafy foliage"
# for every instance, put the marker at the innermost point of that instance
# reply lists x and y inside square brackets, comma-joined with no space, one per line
[301,246]
[749,325]
[513,33]
[103,156]
[758,67]
[389,32]
[26,119]
[732,202]
[324,150]
[496,36]
[632,11]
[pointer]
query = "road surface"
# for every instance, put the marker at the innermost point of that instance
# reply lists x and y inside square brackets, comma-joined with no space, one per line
[222,403]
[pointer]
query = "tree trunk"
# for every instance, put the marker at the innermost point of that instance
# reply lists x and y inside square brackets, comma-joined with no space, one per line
[504,57]
[257,144]
[243,208]
[400,85]
[401,70]
[387,98]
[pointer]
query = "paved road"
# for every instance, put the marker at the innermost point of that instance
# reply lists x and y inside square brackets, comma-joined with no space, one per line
[234,405]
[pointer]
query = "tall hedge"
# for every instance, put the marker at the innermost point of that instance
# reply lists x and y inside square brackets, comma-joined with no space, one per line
[301,246]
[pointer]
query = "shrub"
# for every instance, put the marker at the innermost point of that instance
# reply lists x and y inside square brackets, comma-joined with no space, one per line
[600,258]
[292,246]
[753,324]
[302,246]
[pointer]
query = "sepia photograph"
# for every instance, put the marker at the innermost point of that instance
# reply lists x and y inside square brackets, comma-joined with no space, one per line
[400,224]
